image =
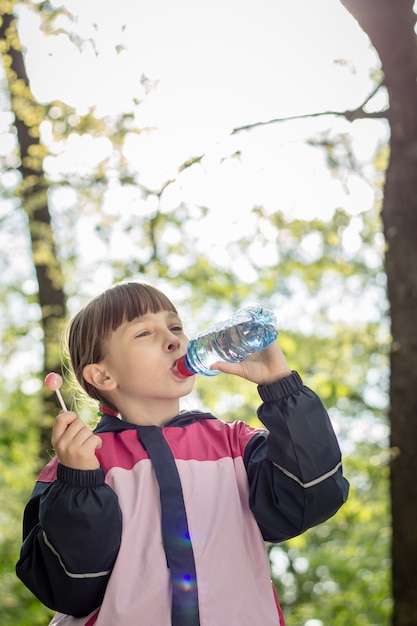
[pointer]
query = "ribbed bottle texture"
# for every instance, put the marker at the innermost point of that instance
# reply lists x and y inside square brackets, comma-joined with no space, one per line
[250,329]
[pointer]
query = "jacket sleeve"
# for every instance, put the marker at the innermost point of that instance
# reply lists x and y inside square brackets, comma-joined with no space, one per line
[295,467]
[71,531]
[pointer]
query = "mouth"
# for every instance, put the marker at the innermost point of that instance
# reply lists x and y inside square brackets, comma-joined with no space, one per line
[177,373]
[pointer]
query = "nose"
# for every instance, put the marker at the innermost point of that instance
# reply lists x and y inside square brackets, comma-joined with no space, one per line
[173,343]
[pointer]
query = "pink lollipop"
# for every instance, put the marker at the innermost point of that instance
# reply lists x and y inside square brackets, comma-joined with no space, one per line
[54,382]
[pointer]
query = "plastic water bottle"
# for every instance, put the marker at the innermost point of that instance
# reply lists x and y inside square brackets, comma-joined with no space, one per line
[250,329]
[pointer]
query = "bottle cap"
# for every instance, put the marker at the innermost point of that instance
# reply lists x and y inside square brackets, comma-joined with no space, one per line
[182,368]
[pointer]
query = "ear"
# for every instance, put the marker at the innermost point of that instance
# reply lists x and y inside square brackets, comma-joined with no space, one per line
[98,377]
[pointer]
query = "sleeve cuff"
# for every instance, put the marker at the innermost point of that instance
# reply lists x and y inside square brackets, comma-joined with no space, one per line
[281,388]
[80,478]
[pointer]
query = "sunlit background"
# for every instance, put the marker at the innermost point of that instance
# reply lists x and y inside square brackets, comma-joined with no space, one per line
[194,75]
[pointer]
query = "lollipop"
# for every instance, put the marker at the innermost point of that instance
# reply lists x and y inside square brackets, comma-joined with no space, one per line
[54,382]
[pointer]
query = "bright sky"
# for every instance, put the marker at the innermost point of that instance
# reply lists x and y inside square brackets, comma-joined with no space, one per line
[220,64]
[216,65]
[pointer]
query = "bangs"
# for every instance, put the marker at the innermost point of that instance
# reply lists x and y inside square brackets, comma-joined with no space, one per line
[126,301]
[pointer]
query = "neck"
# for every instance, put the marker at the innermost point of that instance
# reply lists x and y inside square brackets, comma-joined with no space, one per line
[154,414]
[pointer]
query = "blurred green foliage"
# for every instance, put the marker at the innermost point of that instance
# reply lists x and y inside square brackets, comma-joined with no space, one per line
[339,572]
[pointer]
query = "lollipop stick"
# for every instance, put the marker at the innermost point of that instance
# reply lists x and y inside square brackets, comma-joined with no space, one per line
[61,399]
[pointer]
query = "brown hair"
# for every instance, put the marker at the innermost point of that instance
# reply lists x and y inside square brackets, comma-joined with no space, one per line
[88,330]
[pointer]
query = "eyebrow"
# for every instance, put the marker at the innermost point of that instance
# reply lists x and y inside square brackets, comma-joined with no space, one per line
[148,316]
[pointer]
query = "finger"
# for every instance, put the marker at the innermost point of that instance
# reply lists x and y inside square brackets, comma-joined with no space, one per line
[93,443]
[227,368]
[62,422]
[73,438]
[71,431]
[221,366]
[77,446]
[83,435]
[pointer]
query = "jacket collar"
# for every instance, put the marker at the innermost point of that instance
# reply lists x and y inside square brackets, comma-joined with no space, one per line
[111,423]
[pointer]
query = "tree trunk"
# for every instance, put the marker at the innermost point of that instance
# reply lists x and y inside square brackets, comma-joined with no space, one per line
[390,26]
[33,192]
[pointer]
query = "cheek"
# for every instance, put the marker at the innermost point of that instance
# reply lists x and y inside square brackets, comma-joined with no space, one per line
[184,344]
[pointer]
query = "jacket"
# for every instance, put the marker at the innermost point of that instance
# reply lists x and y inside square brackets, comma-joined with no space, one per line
[171,530]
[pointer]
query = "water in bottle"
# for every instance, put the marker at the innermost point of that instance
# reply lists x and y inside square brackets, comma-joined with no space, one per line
[250,329]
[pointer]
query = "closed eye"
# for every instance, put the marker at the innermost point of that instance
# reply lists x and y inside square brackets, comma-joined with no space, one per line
[143,333]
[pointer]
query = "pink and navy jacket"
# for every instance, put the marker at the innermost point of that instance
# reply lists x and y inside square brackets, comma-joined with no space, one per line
[171,530]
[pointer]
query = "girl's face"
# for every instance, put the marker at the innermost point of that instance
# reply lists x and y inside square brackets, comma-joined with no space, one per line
[139,357]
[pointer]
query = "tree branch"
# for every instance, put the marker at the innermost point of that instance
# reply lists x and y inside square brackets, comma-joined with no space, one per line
[355,114]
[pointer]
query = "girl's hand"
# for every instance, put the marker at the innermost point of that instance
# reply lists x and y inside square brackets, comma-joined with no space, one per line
[74,443]
[263,368]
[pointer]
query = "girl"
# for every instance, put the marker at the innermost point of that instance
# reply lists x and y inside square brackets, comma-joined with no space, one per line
[159,517]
